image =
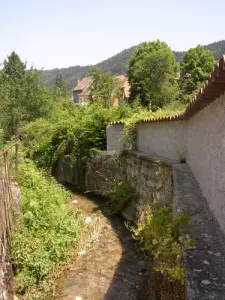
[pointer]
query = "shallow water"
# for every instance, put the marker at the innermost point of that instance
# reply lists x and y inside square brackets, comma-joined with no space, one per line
[114,268]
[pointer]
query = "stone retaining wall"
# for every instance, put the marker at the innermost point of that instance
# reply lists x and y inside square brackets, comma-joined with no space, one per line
[151,179]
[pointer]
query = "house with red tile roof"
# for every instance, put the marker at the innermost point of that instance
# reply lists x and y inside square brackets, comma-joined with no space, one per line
[81,92]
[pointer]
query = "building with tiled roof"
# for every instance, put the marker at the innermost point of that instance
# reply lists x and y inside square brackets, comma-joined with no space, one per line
[81,91]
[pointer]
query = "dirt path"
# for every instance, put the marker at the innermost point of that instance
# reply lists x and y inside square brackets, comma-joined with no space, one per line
[113,269]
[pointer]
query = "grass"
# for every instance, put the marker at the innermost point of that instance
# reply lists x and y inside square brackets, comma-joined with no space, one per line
[160,234]
[46,231]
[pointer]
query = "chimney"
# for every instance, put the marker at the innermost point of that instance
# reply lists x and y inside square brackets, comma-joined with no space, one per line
[78,81]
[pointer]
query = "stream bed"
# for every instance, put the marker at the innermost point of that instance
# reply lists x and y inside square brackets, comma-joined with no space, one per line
[115,268]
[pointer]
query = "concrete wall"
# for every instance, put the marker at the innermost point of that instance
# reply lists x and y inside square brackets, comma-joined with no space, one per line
[206,154]
[114,137]
[166,140]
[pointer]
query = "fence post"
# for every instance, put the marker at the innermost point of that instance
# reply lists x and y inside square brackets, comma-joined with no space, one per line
[17,150]
[7,214]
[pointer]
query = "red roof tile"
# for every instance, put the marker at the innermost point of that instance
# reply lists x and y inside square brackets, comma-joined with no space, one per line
[82,84]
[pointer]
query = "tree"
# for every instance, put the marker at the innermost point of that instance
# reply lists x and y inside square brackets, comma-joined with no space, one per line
[196,66]
[13,68]
[105,87]
[152,74]
[23,96]
[60,86]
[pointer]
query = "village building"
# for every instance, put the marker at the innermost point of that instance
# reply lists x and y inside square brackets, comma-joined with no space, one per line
[81,92]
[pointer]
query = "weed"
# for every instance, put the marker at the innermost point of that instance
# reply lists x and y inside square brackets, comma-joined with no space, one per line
[120,194]
[160,234]
[46,230]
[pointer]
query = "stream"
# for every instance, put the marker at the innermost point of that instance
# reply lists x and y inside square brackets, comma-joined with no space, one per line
[115,268]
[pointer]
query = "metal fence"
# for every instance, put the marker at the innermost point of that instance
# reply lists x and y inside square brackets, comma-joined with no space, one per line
[8,210]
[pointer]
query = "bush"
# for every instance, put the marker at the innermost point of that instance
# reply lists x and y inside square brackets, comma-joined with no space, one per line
[161,235]
[120,194]
[46,229]
[74,130]
[79,130]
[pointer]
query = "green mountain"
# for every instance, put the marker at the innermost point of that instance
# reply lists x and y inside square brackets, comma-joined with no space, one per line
[116,65]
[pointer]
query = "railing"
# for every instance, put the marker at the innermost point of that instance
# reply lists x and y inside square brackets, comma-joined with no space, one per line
[8,209]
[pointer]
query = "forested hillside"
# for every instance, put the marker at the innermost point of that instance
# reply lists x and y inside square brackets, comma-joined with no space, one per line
[116,64]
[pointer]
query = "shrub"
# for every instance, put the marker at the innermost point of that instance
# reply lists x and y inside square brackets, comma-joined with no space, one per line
[46,229]
[120,194]
[74,130]
[161,235]
[79,131]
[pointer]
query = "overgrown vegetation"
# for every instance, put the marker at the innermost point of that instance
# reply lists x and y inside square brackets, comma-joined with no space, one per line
[120,194]
[162,236]
[46,231]
[51,126]
[75,130]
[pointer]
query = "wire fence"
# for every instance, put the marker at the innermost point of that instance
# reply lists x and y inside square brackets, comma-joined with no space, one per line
[8,210]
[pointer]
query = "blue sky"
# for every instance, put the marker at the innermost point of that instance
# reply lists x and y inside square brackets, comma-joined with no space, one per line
[64,33]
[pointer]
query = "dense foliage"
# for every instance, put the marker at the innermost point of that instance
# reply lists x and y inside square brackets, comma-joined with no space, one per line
[160,233]
[104,88]
[120,194]
[23,96]
[152,73]
[60,86]
[80,130]
[195,68]
[46,229]
[76,130]
[116,64]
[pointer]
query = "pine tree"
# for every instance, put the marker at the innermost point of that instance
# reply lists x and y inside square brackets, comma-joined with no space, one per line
[13,68]
[23,96]
[60,86]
